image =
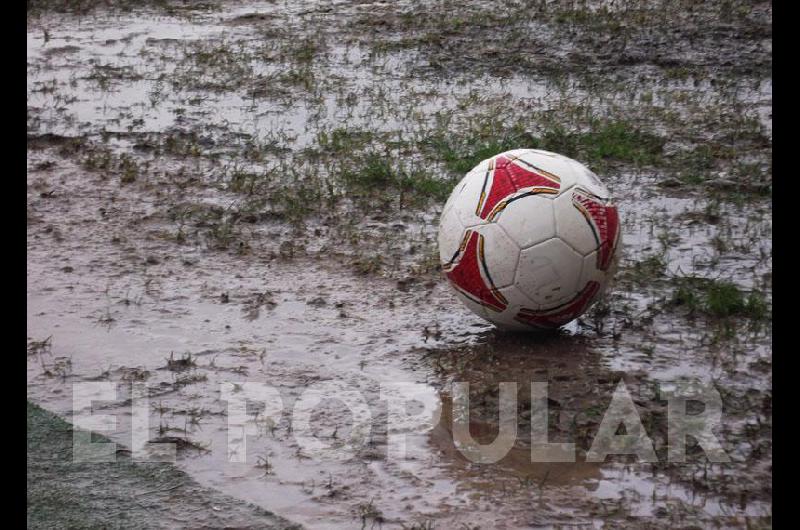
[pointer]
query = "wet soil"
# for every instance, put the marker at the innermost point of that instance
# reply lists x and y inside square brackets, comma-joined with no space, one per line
[122,494]
[250,192]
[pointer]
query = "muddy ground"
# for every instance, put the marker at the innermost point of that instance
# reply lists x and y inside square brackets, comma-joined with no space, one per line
[249,191]
[120,495]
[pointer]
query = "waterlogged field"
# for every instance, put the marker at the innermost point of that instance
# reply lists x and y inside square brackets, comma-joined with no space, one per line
[249,191]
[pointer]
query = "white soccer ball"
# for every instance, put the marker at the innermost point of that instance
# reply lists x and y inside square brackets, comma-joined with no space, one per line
[528,239]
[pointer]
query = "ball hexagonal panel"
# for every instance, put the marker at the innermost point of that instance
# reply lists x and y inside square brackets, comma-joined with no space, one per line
[516,302]
[515,153]
[602,219]
[590,272]
[469,273]
[509,179]
[499,255]
[469,198]
[453,197]
[562,313]
[588,179]
[515,298]
[473,306]
[529,221]
[572,226]
[451,232]
[552,163]
[549,272]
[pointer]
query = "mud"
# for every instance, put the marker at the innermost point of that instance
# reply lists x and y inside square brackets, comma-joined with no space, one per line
[124,494]
[250,193]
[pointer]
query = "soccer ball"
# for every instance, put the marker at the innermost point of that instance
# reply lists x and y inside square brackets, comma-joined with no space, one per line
[528,239]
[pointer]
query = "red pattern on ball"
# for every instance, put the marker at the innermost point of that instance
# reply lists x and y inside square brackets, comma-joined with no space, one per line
[509,178]
[553,318]
[603,219]
[466,275]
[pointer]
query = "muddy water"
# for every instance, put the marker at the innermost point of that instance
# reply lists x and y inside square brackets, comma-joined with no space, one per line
[122,300]
[114,315]
[174,307]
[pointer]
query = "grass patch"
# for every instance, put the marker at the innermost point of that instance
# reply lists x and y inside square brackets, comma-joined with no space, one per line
[617,141]
[378,173]
[294,203]
[214,65]
[304,51]
[424,185]
[647,269]
[460,154]
[105,161]
[373,170]
[476,151]
[719,299]
[341,141]
[724,299]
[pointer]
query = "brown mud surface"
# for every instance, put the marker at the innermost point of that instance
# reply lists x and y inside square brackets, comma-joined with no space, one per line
[121,494]
[250,191]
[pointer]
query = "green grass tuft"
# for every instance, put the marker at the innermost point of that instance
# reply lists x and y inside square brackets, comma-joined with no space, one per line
[605,141]
[719,299]
[460,155]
